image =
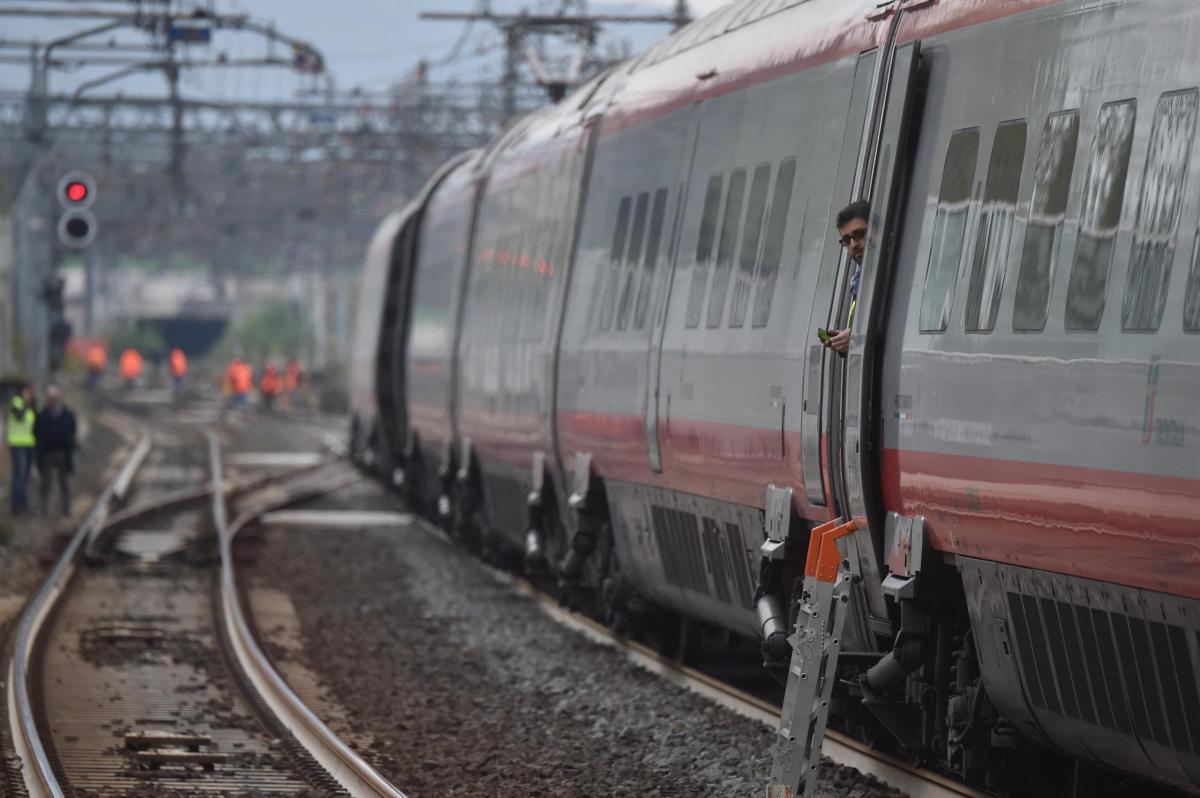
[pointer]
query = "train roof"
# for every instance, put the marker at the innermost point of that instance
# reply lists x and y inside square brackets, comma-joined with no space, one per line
[734,46]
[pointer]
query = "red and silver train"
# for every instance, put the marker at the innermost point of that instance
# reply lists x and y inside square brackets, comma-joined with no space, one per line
[594,343]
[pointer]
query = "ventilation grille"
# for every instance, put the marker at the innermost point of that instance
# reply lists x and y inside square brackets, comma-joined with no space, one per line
[1108,669]
[703,555]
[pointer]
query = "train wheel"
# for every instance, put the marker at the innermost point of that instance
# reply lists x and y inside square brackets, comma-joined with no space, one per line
[614,607]
[669,633]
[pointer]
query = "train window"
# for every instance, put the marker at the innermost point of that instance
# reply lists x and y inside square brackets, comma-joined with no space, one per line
[614,263]
[1191,299]
[1159,206]
[704,247]
[650,263]
[631,260]
[1043,234]
[773,248]
[995,226]
[725,246]
[751,233]
[1103,195]
[949,229]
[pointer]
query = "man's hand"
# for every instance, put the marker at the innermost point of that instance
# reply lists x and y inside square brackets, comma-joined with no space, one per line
[839,341]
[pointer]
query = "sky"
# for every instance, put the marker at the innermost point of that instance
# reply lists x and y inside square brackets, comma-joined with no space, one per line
[367,43]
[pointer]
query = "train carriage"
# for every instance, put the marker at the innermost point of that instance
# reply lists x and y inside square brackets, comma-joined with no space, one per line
[624,375]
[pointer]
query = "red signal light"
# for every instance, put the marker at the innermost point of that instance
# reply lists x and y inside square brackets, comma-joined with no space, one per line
[77,191]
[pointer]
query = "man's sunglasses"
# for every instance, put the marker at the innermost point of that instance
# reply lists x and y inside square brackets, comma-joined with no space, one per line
[856,236]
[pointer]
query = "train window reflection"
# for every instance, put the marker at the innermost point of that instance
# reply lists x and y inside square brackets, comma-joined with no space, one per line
[773,249]
[949,229]
[995,226]
[729,231]
[631,260]
[1047,209]
[1159,206]
[1103,195]
[704,247]
[657,217]
[614,264]
[751,234]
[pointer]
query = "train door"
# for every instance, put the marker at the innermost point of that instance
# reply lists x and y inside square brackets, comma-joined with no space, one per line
[662,299]
[389,364]
[812,420]
[577,175]
[851,452]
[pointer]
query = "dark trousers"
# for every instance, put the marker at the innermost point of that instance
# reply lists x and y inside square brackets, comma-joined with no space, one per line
[22,464]
[55,466]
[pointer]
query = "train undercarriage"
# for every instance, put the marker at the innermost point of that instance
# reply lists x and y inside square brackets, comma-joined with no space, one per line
[920,697]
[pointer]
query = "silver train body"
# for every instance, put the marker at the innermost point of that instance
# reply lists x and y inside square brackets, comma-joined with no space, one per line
[602,329]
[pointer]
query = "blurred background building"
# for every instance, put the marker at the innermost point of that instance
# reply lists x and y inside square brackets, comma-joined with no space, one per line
[242,152]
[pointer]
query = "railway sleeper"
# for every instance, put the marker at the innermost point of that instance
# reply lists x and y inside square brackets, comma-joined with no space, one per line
[154,759]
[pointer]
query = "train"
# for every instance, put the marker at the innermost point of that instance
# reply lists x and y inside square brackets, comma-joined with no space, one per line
[593,345]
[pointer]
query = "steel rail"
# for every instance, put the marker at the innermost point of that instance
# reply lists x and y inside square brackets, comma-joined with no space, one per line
[37,771]
[343,764]
[36,768]
[840,748]
[185,496]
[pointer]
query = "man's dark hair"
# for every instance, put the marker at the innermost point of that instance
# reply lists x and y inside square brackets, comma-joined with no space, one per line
[859,209]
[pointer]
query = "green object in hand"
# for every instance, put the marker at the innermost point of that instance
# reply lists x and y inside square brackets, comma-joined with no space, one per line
[823,334]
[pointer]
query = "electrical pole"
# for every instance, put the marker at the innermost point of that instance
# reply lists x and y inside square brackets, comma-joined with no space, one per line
[518,29]
[683,14]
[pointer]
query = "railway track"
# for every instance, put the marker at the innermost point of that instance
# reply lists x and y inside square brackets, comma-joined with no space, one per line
[134,670]
[840,748]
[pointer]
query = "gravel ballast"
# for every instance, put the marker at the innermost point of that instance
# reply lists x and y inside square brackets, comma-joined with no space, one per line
[465,687]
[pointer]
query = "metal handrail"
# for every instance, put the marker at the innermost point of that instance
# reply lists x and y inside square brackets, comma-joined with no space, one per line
[342,763]
[35,762]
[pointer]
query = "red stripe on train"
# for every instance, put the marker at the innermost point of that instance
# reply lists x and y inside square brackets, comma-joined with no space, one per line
[1130,528]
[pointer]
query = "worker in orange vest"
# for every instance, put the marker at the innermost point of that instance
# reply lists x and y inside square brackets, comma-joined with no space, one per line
[293,377]
[239,379]
[270,385]
[130,367]
[178,369]
[97,364]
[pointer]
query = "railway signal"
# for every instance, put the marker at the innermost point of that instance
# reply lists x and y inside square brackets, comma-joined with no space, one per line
[77,225]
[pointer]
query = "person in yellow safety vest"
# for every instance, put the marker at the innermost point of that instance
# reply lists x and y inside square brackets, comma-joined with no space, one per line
[21,443]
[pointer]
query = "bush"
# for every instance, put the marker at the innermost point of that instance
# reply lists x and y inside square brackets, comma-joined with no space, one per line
[145,340]
[275,330]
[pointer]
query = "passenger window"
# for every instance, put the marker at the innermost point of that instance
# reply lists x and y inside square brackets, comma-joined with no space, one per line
[1103,196]
[704,247]
[781,202]
[614,264]
[751,234]
[657,217]
[729,231]
[949,229]
[995,226]
[1051,188]
[1191,298]
[631,260]
[1159,207]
